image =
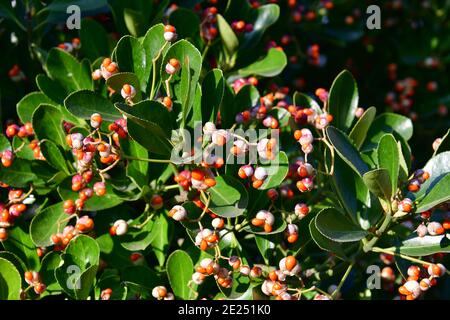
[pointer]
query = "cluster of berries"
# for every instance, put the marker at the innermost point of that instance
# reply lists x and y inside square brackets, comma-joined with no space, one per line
[258,175]
[401,100]
[209,29]
[199,179]
[206,239]
[14,208]
[160,293]
[223,276]
[305,174]
[241,26]
[34,280]
[107,69]
[420,176]
[60,240]
[14,130]
[275,284]
[71,46]
[413,288]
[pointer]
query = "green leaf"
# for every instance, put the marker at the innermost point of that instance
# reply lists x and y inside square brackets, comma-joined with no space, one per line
[136,170]
[437,194]
[19,174]
[248,96]
[29,103]
[94,39]
[324,243]
[266,246]
[52,89]
[213,87]
[229,198]
[345,186]
[229,39]
[117,80]
[46,223]
[80,264]
[10,281]
[277,171]
[149,124]
[337,227]
[138,238]
[379,183]
[179,271]
[95,203]
[346,150]
[4,143]
[135,21]
[47,124]
[343,100]
[262,18]
[191,61]
[359,131]
[50,262]
[160,242]
[437,167]
[187,24]
[305,101]
[140,275]
[424,246]
[270,66]
[19,243]
[16,261]
[388,158]
[388,123]
[54,156]
[71,74]
[84,103]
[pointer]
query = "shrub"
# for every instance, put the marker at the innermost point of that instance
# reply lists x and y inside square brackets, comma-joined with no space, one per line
[170,166]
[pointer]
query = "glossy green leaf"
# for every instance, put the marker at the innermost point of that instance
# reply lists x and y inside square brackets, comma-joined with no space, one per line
[325,243]
[179,271]
[438,166]
[29,103]
[4,143]
[135,21]
[444,145]
[265,245]
[136,170]
[337,227]
[277,171]
[228,197]
[54,156]
[117,80]
[139,234]
[94,39]
[346,150]
[51,88]
[47,124]
[262,18]
[439,193]
[84,103]
[213,87]
[50,262]
[343,100]
[187,24]
[388,123]
[304,101]
[270,66]
[359,131]
[47,222]
[71,74]
[10,281]
[424,246]
[161,238]
[191,61]
[19,243]
[76,275]
[229,38]
[379,183]
[19,174]
[388,158]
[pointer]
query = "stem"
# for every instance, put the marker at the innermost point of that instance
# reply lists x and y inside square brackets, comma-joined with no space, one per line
[332,155]
[387,221]
[205,52]
[338,289]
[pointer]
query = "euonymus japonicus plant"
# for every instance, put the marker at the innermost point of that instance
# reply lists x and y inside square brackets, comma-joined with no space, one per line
[165,168]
